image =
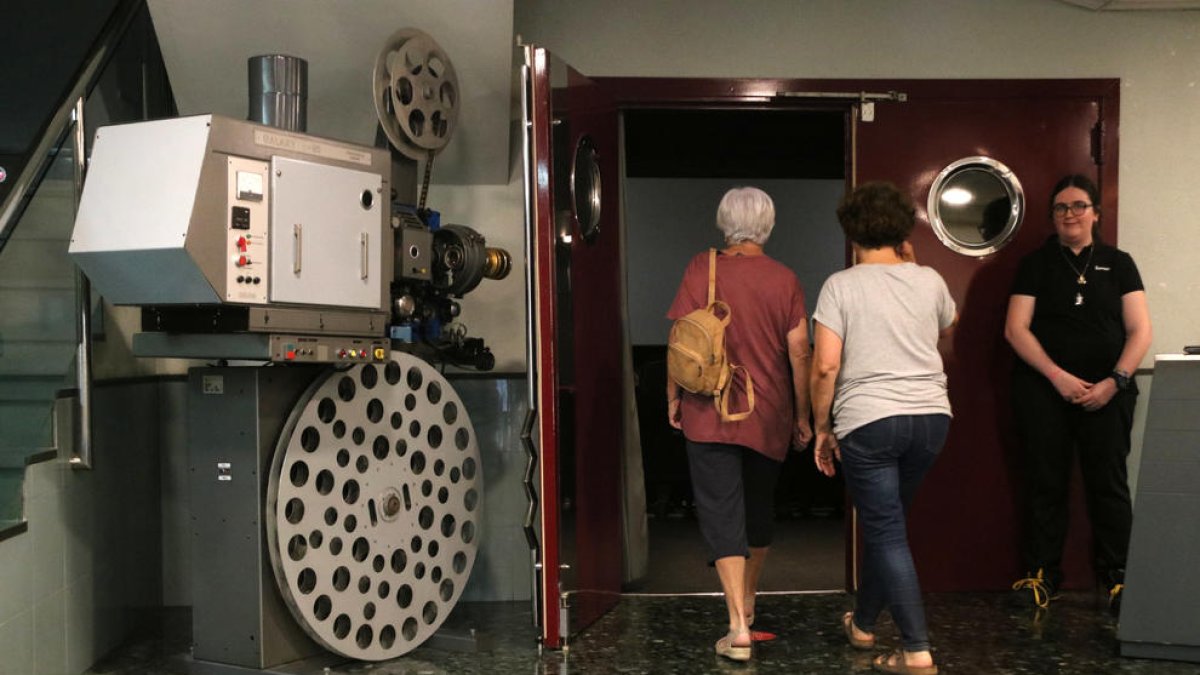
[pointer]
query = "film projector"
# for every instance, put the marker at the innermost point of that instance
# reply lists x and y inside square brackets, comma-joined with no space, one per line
[335,477]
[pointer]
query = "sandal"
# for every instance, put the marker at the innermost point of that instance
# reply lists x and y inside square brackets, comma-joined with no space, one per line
[894,663]
[865,644]
[726,648]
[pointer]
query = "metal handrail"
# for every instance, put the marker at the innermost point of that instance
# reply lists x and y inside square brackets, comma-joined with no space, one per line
[70,111]
[82,456]
[56,129]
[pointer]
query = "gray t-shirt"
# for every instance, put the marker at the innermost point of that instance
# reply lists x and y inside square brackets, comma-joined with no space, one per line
[888,317]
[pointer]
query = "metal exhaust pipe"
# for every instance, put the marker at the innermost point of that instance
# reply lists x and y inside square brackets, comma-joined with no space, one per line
[279,91]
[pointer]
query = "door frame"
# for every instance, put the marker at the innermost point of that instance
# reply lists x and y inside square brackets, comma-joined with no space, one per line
[764,94]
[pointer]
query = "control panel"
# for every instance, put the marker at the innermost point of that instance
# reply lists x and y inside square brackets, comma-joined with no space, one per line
[247,247]
[328,349]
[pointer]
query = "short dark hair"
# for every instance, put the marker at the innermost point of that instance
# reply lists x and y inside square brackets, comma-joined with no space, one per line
[877,214]
[1076,180]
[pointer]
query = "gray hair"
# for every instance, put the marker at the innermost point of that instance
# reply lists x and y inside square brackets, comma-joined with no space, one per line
[746,214]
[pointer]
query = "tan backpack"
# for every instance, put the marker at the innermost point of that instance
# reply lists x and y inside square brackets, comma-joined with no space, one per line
[696,357]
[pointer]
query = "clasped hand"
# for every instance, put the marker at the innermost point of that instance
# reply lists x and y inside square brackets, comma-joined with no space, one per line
[1088,395]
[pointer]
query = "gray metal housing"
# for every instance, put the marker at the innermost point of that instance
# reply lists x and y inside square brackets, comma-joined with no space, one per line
[192,210]
[234,420]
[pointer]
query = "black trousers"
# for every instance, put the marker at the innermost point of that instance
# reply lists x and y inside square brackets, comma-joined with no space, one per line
[734,488]
[1052,431]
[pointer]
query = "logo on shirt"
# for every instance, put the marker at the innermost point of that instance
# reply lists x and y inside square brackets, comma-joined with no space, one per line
[1098,268]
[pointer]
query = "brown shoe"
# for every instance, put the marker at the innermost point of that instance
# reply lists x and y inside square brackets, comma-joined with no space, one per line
[865,644]
[894,663]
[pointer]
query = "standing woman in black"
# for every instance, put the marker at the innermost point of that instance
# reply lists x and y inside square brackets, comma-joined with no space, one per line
[1078,320]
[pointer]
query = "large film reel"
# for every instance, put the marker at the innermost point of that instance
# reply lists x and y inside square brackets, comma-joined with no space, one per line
[373,507]
[416,93]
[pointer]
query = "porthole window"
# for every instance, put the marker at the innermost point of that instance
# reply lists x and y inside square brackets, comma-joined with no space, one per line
[585,188]
[976,205]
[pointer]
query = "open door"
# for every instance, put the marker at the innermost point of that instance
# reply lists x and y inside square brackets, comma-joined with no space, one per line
[578,333]
[965,524]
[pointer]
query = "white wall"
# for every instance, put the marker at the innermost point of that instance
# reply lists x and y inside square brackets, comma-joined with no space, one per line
[88,571]
[669,220]
[1155,54]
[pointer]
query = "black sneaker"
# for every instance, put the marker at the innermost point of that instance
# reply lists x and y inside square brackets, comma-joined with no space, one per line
[1036,589]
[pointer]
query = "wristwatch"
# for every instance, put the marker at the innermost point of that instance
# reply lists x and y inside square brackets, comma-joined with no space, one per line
[1121,378]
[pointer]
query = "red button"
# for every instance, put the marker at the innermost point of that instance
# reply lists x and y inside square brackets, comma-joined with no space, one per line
[291,354]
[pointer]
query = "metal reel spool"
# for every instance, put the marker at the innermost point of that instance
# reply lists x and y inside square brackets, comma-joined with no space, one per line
[416,93]
[373,507]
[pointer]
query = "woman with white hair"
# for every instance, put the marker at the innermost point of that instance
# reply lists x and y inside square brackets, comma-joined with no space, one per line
[735,464]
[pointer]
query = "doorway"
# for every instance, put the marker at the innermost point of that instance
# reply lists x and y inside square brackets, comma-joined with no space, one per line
[964,523]
[677,163]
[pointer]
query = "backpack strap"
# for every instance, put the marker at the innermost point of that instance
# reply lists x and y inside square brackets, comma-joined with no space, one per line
[722,402]
[712,275]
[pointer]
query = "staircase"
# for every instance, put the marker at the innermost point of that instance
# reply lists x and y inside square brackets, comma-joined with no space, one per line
[122,78]
[37,329]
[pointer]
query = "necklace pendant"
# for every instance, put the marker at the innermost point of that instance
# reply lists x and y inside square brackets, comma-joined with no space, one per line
[1082,280]
[1078,299]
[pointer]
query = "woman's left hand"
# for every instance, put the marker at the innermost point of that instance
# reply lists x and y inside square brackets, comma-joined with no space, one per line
[825,450]
[673,416]
[1097,396]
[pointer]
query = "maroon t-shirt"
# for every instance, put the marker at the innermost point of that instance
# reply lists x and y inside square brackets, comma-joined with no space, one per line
[766,302]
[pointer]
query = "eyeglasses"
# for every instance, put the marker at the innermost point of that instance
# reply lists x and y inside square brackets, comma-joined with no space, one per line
[1076,209]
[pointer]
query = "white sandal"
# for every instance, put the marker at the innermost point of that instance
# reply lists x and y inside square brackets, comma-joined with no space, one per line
[726,648]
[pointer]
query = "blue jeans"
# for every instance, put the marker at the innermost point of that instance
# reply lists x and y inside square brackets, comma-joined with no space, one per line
[884,462]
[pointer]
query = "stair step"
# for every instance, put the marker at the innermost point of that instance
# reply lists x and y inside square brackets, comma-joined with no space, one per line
[16,457]
[42,260]
[44,358]
[43,310]
[11,494]
[32,388]
[51,211]
[25,424]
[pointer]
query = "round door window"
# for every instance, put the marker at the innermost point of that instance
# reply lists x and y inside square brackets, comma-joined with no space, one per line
[976,205]
[585,188]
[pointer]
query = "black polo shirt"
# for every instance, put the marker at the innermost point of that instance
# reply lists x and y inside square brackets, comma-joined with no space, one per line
[1084,338]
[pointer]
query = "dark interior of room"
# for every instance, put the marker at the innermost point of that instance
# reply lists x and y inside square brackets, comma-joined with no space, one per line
[809,549]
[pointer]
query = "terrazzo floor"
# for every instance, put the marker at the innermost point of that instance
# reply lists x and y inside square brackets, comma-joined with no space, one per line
[971,633]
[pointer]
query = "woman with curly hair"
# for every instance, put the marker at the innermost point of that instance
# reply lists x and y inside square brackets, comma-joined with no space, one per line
[880,405]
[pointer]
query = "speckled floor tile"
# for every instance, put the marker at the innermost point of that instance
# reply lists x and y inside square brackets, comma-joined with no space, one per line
[971,633]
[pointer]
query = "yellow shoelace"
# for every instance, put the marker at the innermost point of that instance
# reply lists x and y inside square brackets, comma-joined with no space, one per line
[1041,592]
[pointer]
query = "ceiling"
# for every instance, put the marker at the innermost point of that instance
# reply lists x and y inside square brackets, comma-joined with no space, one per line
[206,46]
[1131,5]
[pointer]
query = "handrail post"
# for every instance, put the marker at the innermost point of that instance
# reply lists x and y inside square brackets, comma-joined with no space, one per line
[81,457]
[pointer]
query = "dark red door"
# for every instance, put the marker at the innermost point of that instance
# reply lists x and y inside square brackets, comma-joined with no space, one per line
[579,336]
[965,522]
